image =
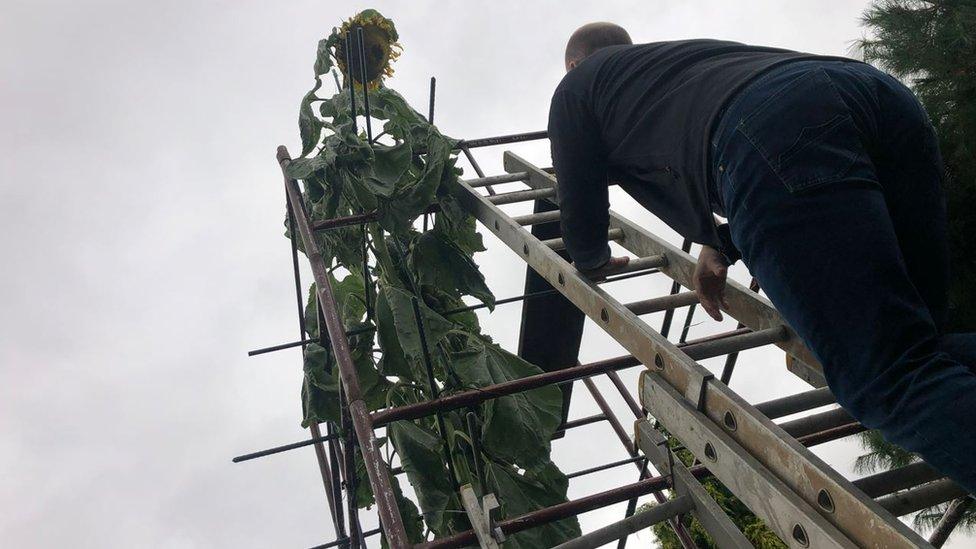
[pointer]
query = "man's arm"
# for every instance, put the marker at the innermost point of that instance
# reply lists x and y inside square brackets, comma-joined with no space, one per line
[577,155]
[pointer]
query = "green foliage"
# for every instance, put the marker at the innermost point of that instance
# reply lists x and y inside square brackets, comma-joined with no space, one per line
[751,526]
[932,45]
[414,279]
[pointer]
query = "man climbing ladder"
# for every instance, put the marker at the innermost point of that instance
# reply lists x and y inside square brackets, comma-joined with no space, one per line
[829,173]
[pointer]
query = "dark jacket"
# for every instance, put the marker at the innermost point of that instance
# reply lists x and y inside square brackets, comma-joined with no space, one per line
[642,116]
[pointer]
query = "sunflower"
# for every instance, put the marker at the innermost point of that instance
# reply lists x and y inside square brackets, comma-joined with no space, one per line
[381,47]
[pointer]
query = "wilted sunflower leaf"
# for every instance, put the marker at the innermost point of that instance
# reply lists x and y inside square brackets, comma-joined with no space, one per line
[389,167]
[422,460]
[320,390]
[520,494]
[435,326]
[439,262]
[517,428]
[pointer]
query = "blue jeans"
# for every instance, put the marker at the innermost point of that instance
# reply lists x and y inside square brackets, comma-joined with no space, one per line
[830,175]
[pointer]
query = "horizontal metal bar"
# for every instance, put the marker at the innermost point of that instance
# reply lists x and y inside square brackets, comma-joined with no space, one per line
[587,420]
[634,265]
[521,196]
[346,540]
[952,517]
[817,422]
[537,218]
[503,139]
[477,396]
[800,402]
[604,467]
[345,221]
[831,435]
[496,179]
[632,524]
[283,448]
[657,304]
[736,343]
[559,244]
[289,345]
[922,497]
[893,480]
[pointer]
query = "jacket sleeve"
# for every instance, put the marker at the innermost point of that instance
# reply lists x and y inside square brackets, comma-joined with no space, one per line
[581,170]
[726,247]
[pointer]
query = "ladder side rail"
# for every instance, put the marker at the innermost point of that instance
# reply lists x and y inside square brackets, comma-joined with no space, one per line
[711,516]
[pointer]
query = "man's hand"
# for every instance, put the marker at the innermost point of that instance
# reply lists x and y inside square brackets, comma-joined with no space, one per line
[613,264]
[709,279]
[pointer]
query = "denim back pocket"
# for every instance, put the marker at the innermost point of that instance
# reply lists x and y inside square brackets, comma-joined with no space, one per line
[806,133]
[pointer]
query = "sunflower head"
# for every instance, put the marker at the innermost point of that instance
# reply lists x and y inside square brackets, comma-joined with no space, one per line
[380,46]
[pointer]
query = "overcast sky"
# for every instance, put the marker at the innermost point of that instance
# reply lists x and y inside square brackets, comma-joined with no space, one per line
[143,253]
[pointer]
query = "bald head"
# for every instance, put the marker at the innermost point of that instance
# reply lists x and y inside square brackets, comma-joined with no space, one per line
[592,37]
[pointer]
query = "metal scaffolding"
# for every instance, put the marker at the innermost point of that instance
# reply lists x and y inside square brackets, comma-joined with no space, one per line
[767,465]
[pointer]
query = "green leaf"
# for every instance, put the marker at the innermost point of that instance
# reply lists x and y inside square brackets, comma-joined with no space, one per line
[517,428]
[521,494]
[309,126]
[303,168]
[390,166]
[436,327]
[421,458]
[412,522]
[323,57]
[320,390]
[438,262]
[393,361]
[457,226]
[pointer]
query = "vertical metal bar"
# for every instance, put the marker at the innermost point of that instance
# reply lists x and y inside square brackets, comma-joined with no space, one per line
[349,449]
[731,359]
[680,531]
[474,164]
[362,71]
[474,431]
[320,457]
[352,87]
[376,469]
[687,326]
[625,394]
[367,282]
[435,393]
[675,287]
[430,109]
[334,456]
[430,119]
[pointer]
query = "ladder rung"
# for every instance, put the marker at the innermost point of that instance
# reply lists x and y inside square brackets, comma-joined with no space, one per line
[888,482]
[496,179]
[922,497]
[632,266]
[537,218]
[817,422]
[558,244]
[800,402]
[521,196]
[735,343]
[657,304]
[632,524]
